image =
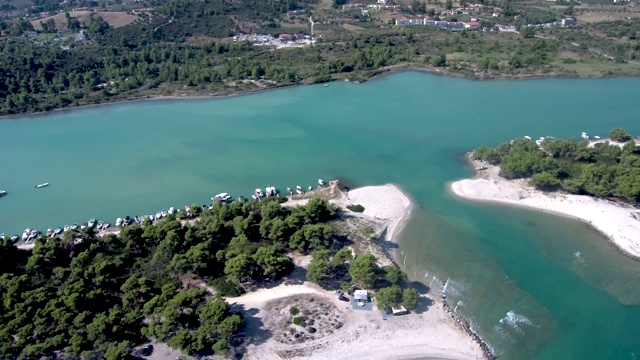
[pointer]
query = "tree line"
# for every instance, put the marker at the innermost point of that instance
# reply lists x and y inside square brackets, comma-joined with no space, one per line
[604,170]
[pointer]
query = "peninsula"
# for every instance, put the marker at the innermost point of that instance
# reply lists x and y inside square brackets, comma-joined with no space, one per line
[300,262]
[617,217]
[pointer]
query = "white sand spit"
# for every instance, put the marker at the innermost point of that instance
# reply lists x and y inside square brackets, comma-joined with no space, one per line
[620,223]
[385,202]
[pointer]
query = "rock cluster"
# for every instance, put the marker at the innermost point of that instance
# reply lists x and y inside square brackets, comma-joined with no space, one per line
[466,327]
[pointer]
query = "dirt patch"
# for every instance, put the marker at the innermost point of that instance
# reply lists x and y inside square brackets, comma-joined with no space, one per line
[113,18]
[315,318]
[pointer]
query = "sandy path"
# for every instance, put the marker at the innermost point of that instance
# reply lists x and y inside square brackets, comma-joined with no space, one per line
[621,224]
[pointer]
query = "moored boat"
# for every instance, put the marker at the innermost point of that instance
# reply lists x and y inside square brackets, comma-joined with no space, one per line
[259,193]
[310,188]
[299,190]
[2,193]
[320,182]
[57,231]
[42,185]
[91,223]
[118,221]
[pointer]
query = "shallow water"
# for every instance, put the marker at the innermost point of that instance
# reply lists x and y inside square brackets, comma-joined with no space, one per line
[534,285]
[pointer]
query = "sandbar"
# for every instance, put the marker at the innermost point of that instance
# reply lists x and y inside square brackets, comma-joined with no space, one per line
[618,222]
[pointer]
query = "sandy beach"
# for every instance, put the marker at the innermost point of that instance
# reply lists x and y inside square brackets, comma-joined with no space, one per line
[620,223]
[428,334]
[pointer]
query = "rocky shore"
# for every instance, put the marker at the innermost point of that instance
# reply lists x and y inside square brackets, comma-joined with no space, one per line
[487,352]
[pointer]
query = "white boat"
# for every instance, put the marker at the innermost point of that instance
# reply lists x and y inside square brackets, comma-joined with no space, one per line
[66,228]
[41,185]
[158,215]
[172,210]
[254,197]
[57,231]
[584,135]
[597,137]
[527,137]
[326,85]
[299,190]
[100,223]
[118,221]
[152,217]
[289,190]
[259,193]
[73,227]
[164,213]
[91,223]
[25,234]
[2,193]
[320,182]
[105,226]
[309,188]
[49,232]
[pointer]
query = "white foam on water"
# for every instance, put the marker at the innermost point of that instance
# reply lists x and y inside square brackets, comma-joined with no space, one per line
[515,320]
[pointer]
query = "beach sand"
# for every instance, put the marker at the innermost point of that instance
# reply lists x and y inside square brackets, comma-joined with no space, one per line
[620,223]
[429,334]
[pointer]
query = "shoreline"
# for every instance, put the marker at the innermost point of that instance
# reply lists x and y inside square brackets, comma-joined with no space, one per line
[618,223]
[375,74]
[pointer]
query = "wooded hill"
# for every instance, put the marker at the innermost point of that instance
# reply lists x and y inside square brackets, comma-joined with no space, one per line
[603,170]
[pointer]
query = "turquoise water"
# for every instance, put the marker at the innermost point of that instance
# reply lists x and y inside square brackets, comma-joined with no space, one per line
[534,285]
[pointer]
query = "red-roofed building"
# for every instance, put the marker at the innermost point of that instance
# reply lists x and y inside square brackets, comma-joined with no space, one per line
[472,25]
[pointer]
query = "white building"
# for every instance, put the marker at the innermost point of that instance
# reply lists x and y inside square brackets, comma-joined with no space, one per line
[361,295]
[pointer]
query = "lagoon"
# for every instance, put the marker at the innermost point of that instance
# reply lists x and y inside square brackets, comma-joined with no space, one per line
[536,286]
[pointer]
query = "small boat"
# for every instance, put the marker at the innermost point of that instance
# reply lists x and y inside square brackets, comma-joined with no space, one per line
[83,226]
[57,231]
[259,193]
[597,137]
[527,137]
[320,182]
[152,217]
[66,228]
[158,215]
[91,223]
[222,197]
[100,223]
[73,227]
[299,190]
[255,197]
[49,232]
[118,221]
[309,188]
[164,213]
[326,85]
[14,238]
[289,190]
[584,135]
[2,193]
[41,185]
[240,199]
[172,210]
[138,219]
[126,221]
[105,226]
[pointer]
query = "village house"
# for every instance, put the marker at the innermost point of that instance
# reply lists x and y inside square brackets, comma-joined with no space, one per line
[568,21]
[404,21]
[285,37]
[472,25]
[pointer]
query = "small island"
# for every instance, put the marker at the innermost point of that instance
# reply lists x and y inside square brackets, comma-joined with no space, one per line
[595,180]
[310,276]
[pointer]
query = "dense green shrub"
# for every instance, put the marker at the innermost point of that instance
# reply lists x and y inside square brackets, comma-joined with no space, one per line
[294,311]
[299,320]
[356,208]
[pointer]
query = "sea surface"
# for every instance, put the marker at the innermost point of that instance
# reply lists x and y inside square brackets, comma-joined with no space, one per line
[535,286]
